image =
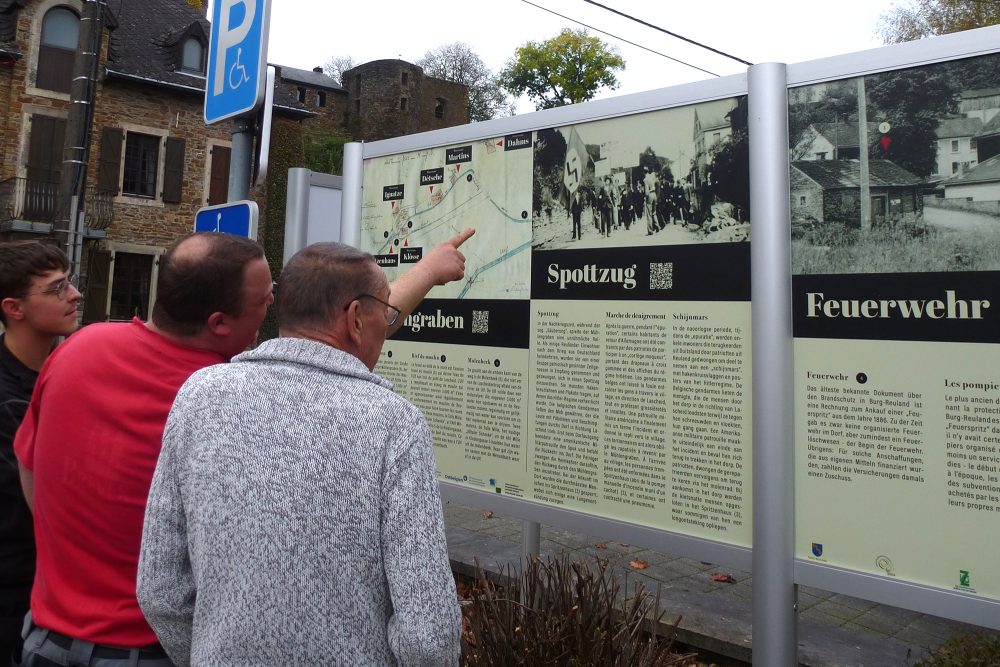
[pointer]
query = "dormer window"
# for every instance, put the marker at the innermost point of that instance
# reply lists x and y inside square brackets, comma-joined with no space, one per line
[60,34]
[193,56]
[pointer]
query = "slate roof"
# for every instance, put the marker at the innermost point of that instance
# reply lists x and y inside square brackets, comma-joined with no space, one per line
[951,128]
[984,172]
[146,44]
[309,78]
[841,134]
[838,174]
[991,128]
[979,92]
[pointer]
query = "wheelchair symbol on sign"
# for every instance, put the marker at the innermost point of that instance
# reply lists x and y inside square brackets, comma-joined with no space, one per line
[238,73]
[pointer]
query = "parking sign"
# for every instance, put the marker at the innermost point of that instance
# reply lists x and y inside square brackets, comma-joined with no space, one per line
[237,58]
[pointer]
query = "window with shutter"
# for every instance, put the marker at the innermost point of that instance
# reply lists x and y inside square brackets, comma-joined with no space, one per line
[45,145]
[110,161]
[218,180]
[173,170]
[95,298]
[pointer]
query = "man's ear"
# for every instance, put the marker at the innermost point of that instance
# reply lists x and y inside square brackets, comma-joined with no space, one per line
[352,320]
[13,309]
[218,324]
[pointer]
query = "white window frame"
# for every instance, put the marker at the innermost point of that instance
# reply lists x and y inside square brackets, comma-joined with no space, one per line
[114,248]
[161,158]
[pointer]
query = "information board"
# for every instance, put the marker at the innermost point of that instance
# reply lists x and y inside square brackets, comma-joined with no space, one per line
[596,357]
[896,306]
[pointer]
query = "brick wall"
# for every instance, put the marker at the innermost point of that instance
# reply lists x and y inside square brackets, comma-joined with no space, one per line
[178,114]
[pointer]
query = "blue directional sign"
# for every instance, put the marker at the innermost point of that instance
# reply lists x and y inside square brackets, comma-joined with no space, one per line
[236,217]
[237,58]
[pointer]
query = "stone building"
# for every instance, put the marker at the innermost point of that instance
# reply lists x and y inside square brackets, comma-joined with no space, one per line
[153,162]
[390,98]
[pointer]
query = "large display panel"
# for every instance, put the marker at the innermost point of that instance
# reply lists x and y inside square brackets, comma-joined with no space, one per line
[593,370]
[895,202]
[597,356]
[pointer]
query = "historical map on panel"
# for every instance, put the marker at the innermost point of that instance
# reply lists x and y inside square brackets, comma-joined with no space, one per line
[414,201]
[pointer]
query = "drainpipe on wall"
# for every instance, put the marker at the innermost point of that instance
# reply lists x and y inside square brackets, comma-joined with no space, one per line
[69,223]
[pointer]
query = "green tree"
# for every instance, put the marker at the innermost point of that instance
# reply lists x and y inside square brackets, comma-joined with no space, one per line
[564,70]
[731,163]
[913,102]
[913,19]
[459,63]
[550,156]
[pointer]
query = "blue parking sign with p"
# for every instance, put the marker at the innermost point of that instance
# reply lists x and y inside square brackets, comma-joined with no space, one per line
[237,58]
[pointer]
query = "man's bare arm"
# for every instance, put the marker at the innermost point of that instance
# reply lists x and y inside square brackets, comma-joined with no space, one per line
[440,266]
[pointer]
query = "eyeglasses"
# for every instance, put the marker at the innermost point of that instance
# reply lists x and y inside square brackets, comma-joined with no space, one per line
[60,289]
[391,312]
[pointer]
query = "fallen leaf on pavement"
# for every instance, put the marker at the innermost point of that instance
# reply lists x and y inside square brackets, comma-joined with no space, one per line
[601,545]
[487,515]
[639,564]
[724,578]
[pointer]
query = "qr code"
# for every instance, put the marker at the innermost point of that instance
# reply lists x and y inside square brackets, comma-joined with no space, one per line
[480,321]
[661,275]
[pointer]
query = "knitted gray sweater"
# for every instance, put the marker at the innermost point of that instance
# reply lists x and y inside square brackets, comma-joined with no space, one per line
[295,519]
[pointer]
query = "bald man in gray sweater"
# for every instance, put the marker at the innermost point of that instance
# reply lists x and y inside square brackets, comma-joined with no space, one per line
[295,516]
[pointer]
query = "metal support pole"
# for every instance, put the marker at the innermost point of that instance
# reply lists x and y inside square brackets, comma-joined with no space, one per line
[350,205]
[241,159]
[774,616]
[531,540]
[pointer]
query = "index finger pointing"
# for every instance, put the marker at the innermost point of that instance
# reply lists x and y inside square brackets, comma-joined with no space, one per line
[461,237]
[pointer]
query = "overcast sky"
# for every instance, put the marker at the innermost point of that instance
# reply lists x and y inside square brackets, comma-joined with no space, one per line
[306,33]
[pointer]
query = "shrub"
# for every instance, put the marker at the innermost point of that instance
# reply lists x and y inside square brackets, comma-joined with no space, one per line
[563,613]
[967,650]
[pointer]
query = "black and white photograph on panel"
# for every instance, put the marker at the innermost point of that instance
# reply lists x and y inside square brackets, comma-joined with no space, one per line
[897,171]
[669,177]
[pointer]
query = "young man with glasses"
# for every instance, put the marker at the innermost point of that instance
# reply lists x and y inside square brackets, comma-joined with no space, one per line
[312,528]
[37,305]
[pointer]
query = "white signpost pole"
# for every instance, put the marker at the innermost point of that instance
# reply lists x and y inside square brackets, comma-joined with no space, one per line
[774,618]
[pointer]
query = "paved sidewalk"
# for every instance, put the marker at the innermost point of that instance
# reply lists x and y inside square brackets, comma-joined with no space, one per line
[834,630]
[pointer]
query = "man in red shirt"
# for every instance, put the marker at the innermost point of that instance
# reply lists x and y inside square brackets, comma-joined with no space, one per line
[90,440]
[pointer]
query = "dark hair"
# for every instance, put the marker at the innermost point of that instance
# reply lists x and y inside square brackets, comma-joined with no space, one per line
[20,261]
[318,280]
[199,275]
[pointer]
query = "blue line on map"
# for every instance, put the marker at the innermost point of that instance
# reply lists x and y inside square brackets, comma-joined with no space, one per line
[486,267]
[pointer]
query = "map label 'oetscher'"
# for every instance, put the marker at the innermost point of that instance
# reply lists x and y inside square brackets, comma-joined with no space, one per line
[432,176]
